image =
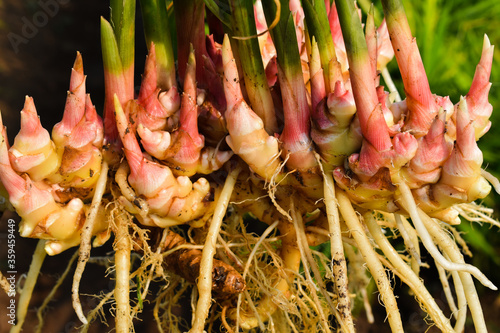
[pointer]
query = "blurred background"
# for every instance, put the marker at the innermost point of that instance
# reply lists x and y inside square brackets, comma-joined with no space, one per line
[450,38]
[38,44]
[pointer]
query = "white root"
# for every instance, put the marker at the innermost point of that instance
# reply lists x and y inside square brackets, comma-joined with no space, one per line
[306,303]
[359,278]
[447,290]
[257,245]
[228,252]
[492,179]
[50,296]
[93,314]
[289,322]
[154,264]
[415,265]
[86,235]
[307,259]
[415,213]
[150,259]
[411,278]
[456,236]
[339,267]
[440,236]
[245,272]
[29,285]
[168,299]
[271,295]
[206,264]
[374,265]
[475,213]
[408,240]
[368,308]
[123,247]
[462,303]
[460,312]
[252,306]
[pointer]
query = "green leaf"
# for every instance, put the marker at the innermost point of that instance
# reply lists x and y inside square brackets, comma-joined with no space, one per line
[123,23]
[220,10]
[284,38]
[352,31]
[110,53]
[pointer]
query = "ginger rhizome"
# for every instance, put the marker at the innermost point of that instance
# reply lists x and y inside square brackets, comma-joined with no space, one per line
[265,171]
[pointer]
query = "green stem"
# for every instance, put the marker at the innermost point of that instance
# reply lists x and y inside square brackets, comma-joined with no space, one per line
[284,38]
[114,80]
[190,23]
[110,51]
[123,22]
[296,110]
[156,30]
[317,20]
[295,137]
[422,107]
[372,122]
[116,13]
[243,25]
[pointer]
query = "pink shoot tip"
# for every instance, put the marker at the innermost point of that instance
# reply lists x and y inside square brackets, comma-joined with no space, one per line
[433,150]
[477,98]
[33,151]
[32,135]
[463,169]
